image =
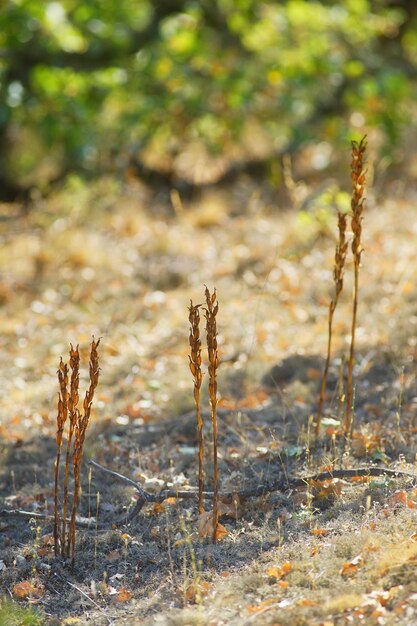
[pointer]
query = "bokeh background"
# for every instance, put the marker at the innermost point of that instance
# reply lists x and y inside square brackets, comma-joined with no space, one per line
[183,92]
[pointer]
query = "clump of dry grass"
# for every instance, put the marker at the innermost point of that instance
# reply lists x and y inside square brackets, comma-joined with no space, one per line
[213,358]
[64,542]
[195,368]
[338,271]
[358,205]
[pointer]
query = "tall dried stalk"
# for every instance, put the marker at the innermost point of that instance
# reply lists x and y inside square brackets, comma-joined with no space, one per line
[213,358]
[80,432]
[61,419]
[67,408]
[73,397]
[358,205]
[338,271]
[195,368]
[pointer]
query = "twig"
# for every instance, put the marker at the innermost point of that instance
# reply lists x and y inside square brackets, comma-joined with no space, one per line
[283,484]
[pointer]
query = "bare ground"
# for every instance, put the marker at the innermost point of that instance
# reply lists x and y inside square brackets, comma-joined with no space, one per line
[107,261]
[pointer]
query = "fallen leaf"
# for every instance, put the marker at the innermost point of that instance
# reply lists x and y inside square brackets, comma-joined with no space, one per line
[403,497]
[319,532]
[326,488]
[233,509]
[221,532]
[25,589]
[258,608]
[195,591]
[351,567]
[205,527]
[279,571]
[123,595]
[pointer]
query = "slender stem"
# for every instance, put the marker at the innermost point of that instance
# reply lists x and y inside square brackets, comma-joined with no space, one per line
[332,308]
[195,368]
[200,453]
[349,392]
[66,480]
[213,357]
[358,205]
[56,511]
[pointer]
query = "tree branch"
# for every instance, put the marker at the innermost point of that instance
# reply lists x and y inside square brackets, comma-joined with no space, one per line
[282,484]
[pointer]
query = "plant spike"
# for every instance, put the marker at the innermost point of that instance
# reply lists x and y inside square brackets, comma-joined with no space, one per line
[81,424]
[195,368]
[338,271]
[73,398]
[211,330]
[61,419]
[78,423]
[358,205]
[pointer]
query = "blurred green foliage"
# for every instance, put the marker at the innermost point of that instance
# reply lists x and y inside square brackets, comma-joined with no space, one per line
[11,614]
[82,83]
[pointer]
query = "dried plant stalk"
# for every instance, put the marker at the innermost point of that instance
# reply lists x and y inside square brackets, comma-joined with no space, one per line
[358,205]
[195,368]
[61,419]
[73,397]
[338,271]
[81,424]
[213,358]
[67,408]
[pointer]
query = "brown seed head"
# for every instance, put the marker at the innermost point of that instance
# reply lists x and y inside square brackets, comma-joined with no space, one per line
[358,200]
[195,344]
[211,328]
[340,254]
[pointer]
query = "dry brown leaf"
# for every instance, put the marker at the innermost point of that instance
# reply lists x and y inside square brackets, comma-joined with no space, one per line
[403,497]
[307,602]
[326,488]
[351,567]
[123,595]
[221,532]
[363,444]
[205,527]
[319,532]
[233,509]
[279,571]
[196,590]
[257,608]
[25,589]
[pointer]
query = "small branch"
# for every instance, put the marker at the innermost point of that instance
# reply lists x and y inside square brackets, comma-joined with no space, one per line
[283,484]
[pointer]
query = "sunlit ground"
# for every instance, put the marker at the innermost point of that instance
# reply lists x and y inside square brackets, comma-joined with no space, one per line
[105,260]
